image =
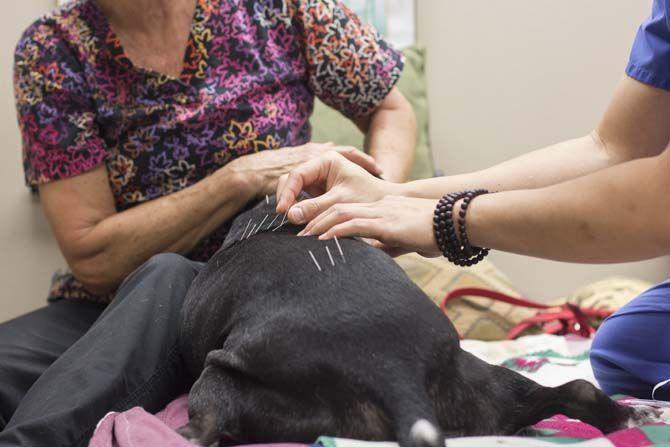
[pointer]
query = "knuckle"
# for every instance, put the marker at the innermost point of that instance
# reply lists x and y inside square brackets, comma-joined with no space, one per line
[312,207]
[340,211]
[357,223]
[384,235]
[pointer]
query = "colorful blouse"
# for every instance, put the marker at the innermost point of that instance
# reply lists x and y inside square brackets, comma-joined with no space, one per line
[251,70]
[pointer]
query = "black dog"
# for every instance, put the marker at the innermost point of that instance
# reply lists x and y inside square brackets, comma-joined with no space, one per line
[288,351]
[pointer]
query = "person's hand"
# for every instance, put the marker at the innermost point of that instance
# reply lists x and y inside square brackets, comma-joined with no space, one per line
[329,179]
[263,169]
[399,224]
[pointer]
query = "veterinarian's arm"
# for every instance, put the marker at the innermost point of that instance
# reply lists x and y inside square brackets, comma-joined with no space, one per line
[390,136]
[102,246]
[618,214]
[635,125]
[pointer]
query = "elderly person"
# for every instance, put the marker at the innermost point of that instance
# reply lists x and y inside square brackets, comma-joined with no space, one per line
[147,125]
[601,198]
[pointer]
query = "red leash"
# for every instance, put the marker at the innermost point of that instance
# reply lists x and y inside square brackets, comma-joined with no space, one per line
[558,320]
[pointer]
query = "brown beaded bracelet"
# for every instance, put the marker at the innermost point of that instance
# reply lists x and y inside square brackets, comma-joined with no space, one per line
[459,252]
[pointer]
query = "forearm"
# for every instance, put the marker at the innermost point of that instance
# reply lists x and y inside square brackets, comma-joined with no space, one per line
[111,249]
[390,136]
[618,214]
[543,167]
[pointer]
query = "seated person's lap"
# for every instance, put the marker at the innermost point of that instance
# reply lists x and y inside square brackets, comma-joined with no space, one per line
[128,357]
[631,350]
[31,343]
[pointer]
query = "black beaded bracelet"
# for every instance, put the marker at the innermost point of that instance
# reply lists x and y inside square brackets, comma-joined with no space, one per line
[459,252]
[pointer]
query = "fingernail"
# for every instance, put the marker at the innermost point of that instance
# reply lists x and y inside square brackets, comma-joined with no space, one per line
[297,216]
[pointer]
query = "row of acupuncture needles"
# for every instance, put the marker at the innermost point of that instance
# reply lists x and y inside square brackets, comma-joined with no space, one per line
[256,227]
[330,256]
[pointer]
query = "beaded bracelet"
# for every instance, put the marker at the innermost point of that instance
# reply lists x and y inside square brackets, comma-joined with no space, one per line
[459,252]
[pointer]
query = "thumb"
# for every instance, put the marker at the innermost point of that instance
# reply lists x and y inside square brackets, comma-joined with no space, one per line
[308,209]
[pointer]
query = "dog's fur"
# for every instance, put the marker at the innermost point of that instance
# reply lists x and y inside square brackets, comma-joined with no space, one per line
[287,353]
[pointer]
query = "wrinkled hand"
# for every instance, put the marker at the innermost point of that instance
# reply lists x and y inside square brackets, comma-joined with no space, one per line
[265,168]
[399,224]
[329,179]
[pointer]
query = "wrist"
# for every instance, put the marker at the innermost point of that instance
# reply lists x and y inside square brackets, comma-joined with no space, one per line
[242,183]
[402,189]
[449,225]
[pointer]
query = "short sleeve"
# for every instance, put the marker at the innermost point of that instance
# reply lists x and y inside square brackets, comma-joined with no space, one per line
[350,67]
[650,57]
[55,109]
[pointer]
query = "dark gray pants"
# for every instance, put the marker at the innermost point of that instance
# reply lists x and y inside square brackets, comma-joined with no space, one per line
[63,367]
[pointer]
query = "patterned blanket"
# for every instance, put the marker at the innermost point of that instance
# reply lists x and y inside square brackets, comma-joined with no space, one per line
[547,359]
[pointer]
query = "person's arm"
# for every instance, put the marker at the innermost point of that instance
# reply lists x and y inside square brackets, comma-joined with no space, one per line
[617,214]
[390,136]
[102,246]
[354,71]
[634,125]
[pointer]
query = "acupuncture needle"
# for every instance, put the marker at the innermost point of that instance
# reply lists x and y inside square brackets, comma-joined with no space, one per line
[340,249]
[262,222]
[252,231]
[273,221]
[282,221]
[330,256]
[245,230]
[314,259]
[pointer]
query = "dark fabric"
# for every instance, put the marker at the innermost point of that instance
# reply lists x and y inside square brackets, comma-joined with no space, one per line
[31,343]
[631,350]
[129,357]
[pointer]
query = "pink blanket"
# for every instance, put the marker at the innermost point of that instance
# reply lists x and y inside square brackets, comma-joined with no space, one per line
[137,428]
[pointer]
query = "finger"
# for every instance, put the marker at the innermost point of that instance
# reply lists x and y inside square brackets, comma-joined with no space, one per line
[362,159]
[309,209]
[370,228]
[281,184]
[329,209]
[307,174]
[335,205]
[338,214]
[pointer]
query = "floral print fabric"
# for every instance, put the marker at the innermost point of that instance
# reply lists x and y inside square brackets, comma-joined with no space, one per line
[251,70]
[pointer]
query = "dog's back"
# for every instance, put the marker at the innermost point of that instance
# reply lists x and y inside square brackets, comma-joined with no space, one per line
[345,333]
[291,341]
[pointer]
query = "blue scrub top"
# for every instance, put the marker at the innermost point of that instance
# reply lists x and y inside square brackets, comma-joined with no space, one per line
[650,57]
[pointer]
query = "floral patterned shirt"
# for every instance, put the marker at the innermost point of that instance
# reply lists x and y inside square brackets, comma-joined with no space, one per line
[251,70]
